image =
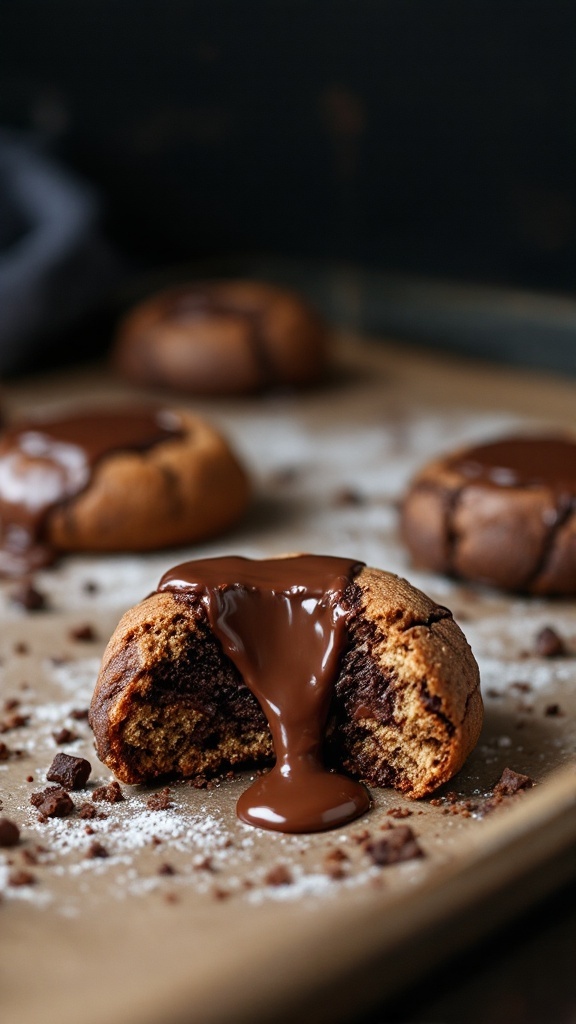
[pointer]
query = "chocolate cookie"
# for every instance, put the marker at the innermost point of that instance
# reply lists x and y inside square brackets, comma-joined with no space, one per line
[317,660]
[502,513]
[130,480]
[222,338]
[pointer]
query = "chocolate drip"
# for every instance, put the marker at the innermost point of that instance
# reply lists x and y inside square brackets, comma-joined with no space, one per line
[45,463]
[282,622]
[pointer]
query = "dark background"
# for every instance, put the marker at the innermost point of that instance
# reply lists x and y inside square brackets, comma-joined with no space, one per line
[426,136]
[435,136]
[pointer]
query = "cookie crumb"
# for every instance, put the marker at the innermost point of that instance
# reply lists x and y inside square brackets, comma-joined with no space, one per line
[87,811]
[220,894]
[64,736]
[205,864]
[53,802]
[9,833]
[111,793]
[553,711]
[29,857]
[26,596]
[335,864]
[14,721]
[399,844]
[337,854]
[360,837]
[348,497]
[549,644]
[166,869]
[399,812]
[84,633]
[160,801]
[21,877]
[79,714]
[511,782]
[521,686]
[279,875]
[97,849]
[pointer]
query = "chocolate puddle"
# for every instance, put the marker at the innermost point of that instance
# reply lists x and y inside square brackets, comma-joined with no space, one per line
[45,463]
[283,624]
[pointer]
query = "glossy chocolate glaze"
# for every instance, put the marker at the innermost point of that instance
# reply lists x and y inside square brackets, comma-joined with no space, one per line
[522,462]
[282,622]
[45,463]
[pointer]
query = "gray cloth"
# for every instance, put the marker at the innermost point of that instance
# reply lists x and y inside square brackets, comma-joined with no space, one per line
[54,264]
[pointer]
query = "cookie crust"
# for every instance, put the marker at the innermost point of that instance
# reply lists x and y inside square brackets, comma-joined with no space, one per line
[237,337]
[515,538]
[406,710]
[180,491]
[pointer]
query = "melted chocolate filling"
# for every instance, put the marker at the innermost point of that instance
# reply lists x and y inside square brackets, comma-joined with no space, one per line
[45,463]
[282,622]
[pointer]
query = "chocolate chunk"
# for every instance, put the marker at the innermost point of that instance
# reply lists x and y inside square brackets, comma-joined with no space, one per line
[21,878]
[348,496]
[56,803]
[14,721]
[399,844]
[549,644]
[111,794]
[64,736]
[79,714]
[512,782]
[70,772]
[4,752]
[9,832]
[96,849]
[220,894]
[553,711]
[166,869]
[26,596]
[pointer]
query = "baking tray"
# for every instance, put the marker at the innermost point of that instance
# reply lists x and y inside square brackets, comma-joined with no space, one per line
[219,939]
